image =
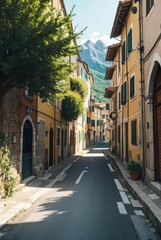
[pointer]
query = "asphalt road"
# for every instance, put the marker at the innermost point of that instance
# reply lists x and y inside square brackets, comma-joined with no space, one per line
[89,203]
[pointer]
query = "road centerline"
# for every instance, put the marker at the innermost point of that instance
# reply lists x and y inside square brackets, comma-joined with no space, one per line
[80,177]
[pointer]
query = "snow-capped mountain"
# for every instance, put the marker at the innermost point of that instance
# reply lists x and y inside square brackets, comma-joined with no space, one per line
[94,55]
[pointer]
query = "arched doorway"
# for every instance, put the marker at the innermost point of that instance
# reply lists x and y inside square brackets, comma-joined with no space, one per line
[157,124]
[51,148]
[27,150]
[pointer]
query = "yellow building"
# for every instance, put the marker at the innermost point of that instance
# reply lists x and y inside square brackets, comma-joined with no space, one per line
[127,129]
[52,136]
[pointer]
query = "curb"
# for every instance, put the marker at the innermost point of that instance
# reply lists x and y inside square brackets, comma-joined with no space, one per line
[152,211]
[22,206]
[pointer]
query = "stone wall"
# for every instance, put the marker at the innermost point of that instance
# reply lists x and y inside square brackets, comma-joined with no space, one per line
[10,126]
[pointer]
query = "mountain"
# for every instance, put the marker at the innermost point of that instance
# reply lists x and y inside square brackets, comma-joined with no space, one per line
[94,55]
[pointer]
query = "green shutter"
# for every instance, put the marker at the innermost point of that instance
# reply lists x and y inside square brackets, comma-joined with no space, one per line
[132,87]
[123,94]
[123,52]
[130,41]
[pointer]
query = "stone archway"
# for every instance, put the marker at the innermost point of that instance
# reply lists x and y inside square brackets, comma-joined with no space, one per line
[27,149]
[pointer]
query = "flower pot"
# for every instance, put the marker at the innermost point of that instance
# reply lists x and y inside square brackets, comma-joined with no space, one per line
[135,175]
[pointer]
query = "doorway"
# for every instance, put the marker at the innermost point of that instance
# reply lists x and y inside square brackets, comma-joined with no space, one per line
[157,124]
[27,150]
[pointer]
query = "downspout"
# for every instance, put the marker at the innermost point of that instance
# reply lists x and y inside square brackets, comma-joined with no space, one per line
[127,91]
[141,88]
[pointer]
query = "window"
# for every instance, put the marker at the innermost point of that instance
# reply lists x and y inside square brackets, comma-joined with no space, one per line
[132,87]
[88,120]
[92,108]
[93,123]
[149,5]
[119,100]
[58,136]
[123,94]
[119,134]
[123,52]
[134,132]
[129,37]
[107,106]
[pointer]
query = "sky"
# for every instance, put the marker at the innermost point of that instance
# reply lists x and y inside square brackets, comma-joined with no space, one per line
[97,15]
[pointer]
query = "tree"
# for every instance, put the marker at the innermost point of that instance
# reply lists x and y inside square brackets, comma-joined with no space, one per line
[72,106]
[35,41]
[79,85]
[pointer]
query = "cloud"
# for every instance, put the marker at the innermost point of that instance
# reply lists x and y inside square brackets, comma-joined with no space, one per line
[95,36]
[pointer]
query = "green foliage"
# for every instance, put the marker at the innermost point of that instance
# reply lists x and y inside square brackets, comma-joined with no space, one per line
[7,181]
[72,106]
[134,166]
[35,41]
[79,85]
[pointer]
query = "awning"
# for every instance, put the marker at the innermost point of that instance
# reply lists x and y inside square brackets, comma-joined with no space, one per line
[112,51]
[109,72]
[120,17]
[109,91]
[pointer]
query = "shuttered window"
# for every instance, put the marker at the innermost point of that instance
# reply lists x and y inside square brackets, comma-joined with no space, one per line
[123,52]
[93,123]
[149,5]
[119,134]
[130,41]
[134,132]
[107,106]
[123,94]
[119,100]
[132,87]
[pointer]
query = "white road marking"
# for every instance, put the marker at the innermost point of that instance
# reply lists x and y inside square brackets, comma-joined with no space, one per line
[121,208]
[135,203]
[111,168]
[62,178]
[118,185]
[139,213]
[153,196]
[124,197]
[80,177]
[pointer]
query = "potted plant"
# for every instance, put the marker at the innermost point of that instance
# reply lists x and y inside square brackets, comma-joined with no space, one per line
[134,169]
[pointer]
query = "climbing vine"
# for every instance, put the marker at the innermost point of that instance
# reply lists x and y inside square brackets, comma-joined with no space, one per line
[72,106]
[7,180]
[79,85]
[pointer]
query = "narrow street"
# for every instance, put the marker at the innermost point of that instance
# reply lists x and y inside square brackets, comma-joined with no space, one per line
[89,203]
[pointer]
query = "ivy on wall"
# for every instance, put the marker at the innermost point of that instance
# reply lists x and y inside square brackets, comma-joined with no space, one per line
[79,85]
[72,103]
[72,106]
[7,180]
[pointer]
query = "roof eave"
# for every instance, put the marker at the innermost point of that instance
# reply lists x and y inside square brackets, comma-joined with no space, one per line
[120,17]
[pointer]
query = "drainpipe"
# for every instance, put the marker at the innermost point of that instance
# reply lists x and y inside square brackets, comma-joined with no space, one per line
[141,88]
[134,11]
